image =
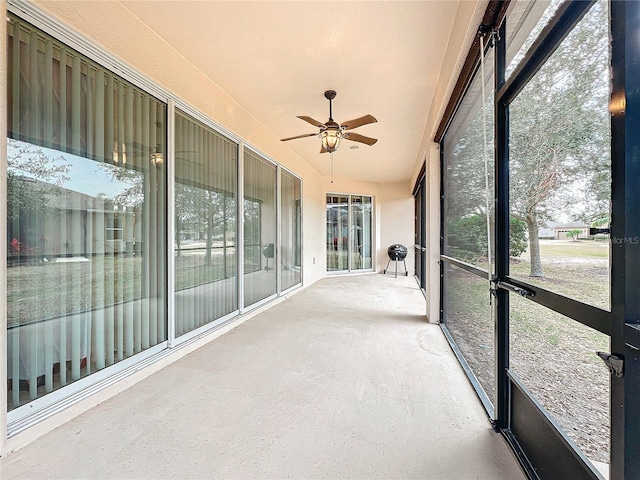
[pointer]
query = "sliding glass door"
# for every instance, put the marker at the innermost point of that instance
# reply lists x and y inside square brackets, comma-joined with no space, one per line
[205,224]
[290,230]
[259,228]
[86,272]
[349,232]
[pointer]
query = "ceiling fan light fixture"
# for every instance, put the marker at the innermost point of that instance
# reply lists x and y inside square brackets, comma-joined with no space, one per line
[331,132]
[331,139]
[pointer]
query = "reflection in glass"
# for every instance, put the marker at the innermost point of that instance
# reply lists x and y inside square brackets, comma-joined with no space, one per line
[290,230]
[525,20]
[360,232]
[465,199]
[85,221]
[259,228]
[555,357]
[349,232]
[467,316]
[337,232]
[205,225]
[560,165]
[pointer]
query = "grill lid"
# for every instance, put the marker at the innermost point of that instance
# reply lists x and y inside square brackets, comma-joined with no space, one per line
[397,251]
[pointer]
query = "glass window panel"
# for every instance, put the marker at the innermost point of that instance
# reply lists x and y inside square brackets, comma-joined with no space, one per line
[360,232]
[259,228]
[337,232]
[290,227]
[555,357]
[468,317]
[205,224]
[465,190]
[86,217]
[525,20]
[560,167]
[349,232]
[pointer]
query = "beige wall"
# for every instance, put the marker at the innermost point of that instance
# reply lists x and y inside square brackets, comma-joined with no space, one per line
[397,225]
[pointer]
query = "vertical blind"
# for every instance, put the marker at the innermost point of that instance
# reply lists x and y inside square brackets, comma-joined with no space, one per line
[86,203]
[259,228]
[290,230]
[205,224]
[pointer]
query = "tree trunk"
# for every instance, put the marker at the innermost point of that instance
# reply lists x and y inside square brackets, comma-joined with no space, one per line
[534,247]
[207,257]
[177,238]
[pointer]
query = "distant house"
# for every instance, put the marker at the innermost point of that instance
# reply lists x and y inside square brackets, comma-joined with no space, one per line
[546,231]
[558,230]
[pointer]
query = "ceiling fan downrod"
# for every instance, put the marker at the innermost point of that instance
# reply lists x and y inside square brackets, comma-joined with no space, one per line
[330,95]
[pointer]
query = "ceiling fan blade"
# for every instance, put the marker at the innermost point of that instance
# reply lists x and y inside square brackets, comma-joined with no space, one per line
[358,122]
[299,136]
[311,121]
[355,137]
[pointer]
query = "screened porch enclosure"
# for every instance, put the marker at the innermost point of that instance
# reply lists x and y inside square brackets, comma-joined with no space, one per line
[534,143]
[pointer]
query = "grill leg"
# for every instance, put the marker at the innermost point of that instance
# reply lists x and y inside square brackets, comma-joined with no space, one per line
[387,267]
[406,274]
[396,262]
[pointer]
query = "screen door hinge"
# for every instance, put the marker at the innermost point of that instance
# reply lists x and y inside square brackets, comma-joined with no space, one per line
[614,363]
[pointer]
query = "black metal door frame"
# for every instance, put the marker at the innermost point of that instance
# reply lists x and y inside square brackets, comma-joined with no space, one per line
[625,230]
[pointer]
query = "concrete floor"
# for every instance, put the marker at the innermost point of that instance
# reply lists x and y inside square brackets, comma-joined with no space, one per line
[343,380]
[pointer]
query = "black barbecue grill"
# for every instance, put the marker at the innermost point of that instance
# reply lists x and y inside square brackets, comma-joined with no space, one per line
[396,253]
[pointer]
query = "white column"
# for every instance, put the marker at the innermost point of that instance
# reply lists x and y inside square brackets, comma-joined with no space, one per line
[433,233]
[171,198]
[240,229]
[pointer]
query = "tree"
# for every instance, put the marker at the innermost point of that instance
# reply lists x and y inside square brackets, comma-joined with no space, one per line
[32,177]
[517,237]
[559,134]
[574,234]
[559,142]
[468,237]
[203,211]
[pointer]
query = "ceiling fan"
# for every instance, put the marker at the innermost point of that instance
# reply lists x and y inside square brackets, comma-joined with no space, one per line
[332,132]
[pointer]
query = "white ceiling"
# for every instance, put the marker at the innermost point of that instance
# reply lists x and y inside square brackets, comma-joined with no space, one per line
[276,59]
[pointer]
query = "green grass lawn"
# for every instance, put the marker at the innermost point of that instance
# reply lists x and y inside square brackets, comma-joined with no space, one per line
[553,355]
[579,270]
[45,290]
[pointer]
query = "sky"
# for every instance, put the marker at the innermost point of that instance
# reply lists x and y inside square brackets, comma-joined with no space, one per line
[85,176]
